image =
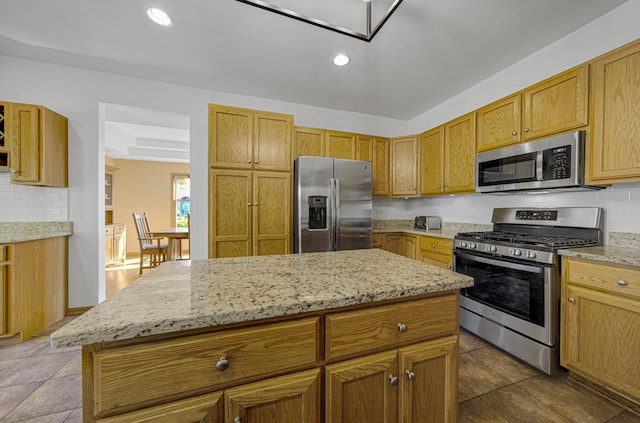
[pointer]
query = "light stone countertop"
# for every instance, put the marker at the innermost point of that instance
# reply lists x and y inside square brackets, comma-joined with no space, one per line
[184,295]
[11,232]
[610,254]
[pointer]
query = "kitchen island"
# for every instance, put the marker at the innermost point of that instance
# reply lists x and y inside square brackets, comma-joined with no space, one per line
[298,337]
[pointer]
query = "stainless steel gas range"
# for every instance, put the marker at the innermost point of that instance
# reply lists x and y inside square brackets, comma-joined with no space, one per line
[515,300]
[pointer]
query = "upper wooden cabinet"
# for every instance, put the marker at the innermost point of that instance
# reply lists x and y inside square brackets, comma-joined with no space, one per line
[364,148]
[381,166]
[38,141]
[499,124]
[340,145]
[460,155]
[614,152]
[309,142]
[555,105]
[4,142]
[432,161]
[249,139]
[404,166]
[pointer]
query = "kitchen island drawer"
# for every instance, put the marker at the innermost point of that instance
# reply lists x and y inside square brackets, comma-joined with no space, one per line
[131,376]
[379,328]
[619,279]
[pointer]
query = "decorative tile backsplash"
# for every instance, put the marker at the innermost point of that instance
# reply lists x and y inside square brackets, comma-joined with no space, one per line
[35,204]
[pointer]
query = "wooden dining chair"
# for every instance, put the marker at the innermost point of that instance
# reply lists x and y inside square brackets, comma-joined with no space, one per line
[188,238]
[149,245]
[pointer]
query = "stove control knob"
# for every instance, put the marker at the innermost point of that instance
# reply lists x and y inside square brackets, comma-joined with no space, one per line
[493,248]
[463,244]
[531,254]
[516,252]
[472,245]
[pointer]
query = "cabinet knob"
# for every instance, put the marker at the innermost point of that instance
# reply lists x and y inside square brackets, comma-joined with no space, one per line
[249,161]
[446,185]
[439,186]
[237,420]
[402,327]
[393,380]
[410,375]
[255,204]
[222,364]
[448,266]
[572,300]
[433,245]
[622,282]
[248,204]
[526,129]
[514,133]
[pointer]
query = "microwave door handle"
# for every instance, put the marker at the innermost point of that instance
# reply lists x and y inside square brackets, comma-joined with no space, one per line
[500,263]
[539,165]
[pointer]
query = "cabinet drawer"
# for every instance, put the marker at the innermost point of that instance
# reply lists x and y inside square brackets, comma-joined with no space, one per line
[362,331]
[439,260]
[435,245]
[108,230]
[118,229]
[377,240]
[142,375]
[609,277]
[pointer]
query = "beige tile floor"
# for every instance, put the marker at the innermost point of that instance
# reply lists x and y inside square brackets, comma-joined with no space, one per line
[39,384]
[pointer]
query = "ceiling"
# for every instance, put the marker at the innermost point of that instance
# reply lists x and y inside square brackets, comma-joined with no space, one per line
[427,52]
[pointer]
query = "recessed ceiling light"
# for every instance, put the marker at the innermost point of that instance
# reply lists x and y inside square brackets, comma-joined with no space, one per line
[160,17]
[341,60]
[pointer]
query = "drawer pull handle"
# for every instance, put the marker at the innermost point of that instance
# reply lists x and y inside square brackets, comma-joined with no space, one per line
[394,380]
[622,282]
[410,375]
[572,300]
[402,327]
[222,364]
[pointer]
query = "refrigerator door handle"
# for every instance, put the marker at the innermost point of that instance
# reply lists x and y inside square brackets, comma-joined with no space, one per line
[337,214]
[332,214]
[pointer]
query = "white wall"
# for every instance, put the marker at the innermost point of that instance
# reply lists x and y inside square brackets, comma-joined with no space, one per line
[20,203]
[77,94]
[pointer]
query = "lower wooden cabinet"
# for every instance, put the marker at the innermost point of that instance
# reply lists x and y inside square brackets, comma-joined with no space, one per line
[115,244]
[600,325]
[392,243]
[377,241]
[436,251]
[408,246]
[417,383]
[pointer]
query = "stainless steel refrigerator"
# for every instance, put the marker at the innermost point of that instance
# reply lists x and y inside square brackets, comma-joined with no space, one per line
[332,204]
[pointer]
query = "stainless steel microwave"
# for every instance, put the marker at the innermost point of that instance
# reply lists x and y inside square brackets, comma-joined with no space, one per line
[555,163]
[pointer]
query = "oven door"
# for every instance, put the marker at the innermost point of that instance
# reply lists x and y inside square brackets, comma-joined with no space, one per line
[521,296]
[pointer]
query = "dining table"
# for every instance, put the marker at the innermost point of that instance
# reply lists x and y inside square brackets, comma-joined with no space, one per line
[172,235]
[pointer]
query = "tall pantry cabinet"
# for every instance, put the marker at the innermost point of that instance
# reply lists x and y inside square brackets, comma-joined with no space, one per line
[250,161]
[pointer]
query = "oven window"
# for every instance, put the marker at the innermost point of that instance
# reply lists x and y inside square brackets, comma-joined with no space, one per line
[515,292]
[508,170]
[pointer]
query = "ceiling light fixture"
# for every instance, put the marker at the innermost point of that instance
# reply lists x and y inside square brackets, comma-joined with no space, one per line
[367,35]
[160,17]
[341,60]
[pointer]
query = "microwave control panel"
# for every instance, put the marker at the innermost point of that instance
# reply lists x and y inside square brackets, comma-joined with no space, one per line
[557,163]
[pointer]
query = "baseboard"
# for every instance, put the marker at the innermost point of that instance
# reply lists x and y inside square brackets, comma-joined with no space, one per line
[631,406]
[77,311]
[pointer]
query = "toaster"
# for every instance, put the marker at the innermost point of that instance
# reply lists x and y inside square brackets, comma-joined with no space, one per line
[427,222]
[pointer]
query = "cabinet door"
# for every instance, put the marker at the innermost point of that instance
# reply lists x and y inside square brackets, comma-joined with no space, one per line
[4,267]
[207,408]
[408,246]
[616,107]
[230,137]
[381,166]
[272,141]
[363,389]
[431,161]
[377,241]
[392,243]
[364,147]
[231,211]
[600,338]
[108,246]
[119,243]
[404,164]
[309,142]
[271,213]
[25,147]
[460,154]
[429,387]
[557,104]
[499,124]
[341,145]
[291,398]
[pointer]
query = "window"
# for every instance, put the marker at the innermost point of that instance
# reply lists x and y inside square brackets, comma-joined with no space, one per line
[181,199]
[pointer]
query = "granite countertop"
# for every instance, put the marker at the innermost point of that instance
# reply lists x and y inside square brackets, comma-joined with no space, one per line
[11,232]
[449,229]
[610,254]
[194,294]
[436,233]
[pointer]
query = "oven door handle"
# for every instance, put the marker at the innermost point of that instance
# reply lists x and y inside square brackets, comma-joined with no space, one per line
[500,263]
